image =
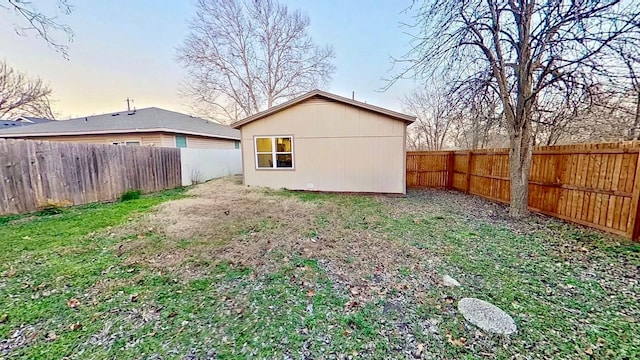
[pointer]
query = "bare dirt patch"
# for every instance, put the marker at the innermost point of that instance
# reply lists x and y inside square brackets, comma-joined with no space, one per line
[222,221]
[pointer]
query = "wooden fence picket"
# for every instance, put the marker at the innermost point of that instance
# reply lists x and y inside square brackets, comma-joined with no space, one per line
[34,172]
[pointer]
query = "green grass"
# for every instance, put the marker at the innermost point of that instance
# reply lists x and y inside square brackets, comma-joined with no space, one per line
[568,290]
[47,260]
[564,289]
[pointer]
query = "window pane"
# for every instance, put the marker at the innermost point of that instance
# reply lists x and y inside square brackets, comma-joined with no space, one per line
[181,141]
[135,143]
[284,161]
[237,144]
[263,144]
[265,161]
[283,144]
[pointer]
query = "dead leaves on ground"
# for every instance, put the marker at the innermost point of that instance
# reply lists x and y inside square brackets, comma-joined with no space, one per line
[459,342]
[10,273]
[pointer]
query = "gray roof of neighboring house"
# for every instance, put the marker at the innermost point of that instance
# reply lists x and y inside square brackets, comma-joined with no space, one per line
[21,121]
[143,120]
[33,120]
[6,124]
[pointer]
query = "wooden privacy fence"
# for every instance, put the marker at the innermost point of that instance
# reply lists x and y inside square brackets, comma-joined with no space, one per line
[33,172]
[596,185]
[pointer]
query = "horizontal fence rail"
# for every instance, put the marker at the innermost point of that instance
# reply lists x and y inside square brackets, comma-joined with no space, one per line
[33,173]
[596,185]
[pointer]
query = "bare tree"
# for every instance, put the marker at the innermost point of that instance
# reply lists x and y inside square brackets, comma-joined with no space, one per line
[612,118]
[479,124]
[557,112]
[44,25]
[434,118]
[243,56]
[529,46]
[20,95]
[628,52]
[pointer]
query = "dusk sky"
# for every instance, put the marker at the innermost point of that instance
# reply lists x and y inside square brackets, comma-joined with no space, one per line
[128,49]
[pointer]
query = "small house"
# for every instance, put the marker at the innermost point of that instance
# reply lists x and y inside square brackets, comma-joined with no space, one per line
[143,127]
[325,142]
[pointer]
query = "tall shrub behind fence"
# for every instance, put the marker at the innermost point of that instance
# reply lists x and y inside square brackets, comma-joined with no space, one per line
[33,172]
[597,185]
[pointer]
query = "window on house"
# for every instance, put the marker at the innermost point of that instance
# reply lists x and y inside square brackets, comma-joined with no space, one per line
[181,141]
[274,152]
[128,143]
[237,144]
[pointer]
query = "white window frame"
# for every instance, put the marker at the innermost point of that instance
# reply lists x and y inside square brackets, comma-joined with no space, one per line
[124,142]
[274,153]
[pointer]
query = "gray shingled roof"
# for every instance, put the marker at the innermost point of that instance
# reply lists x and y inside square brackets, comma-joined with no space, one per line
[35,120]
[6,124]
[142,120]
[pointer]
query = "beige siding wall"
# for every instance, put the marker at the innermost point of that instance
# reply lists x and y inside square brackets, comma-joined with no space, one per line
[336,148]
[146,139]
[168,140]
[196,142]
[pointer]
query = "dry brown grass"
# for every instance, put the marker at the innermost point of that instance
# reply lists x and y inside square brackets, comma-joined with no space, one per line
[222,221]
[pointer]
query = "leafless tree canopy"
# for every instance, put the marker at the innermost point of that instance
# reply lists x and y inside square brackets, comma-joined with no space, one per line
[44,25]
[243,56]
[521,49]
[21,96]
[435,116]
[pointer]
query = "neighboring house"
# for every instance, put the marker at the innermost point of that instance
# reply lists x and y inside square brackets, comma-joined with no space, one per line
[324,142]
[147,127]
[22,121]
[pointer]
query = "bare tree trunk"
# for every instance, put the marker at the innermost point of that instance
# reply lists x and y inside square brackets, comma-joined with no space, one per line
[519,166]
[270,101]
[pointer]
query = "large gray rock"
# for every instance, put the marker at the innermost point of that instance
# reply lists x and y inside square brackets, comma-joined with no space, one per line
[487,316]
[449,281]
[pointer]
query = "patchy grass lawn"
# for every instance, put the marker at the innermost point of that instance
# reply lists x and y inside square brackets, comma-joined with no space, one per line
[231,272]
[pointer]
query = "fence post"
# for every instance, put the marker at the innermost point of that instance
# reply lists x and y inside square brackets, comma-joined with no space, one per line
[450,168]
[468,179]
[634,228]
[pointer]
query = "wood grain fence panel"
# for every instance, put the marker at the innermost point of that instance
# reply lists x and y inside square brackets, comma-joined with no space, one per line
[34,172]
[428,170]
[596,185]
